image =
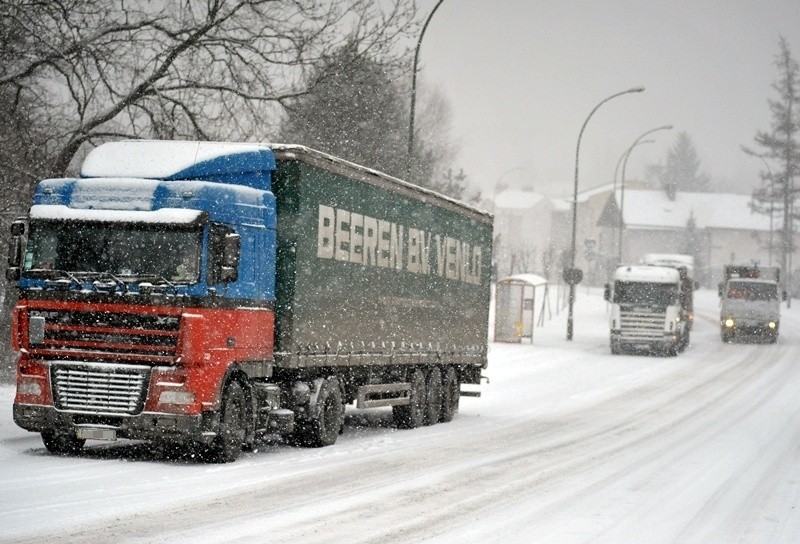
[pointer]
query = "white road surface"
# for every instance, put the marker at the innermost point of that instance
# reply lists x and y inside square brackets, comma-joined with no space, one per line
[568,444]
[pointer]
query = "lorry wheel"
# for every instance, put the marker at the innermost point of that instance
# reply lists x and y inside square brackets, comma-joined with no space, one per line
[412,415]
[62,444]
[433,385]
[324,427]
[227,445]
[451,393]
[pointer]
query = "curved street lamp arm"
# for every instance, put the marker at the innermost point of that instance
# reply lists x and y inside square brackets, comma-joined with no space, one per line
[414,84]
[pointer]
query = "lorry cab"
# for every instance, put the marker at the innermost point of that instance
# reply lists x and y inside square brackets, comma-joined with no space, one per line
[646,310]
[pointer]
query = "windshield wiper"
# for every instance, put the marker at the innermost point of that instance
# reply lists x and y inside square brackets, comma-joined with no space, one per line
[53,278]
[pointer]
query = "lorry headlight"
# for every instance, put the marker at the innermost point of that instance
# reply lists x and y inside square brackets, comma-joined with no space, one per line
[176,397]
[29,388]
[772,325]
[729,322]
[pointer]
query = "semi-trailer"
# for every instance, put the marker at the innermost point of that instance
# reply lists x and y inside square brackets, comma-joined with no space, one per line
[206,294]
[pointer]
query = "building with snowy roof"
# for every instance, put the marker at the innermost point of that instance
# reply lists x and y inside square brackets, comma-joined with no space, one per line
[717,228]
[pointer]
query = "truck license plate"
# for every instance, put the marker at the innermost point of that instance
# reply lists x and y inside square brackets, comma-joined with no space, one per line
[88,433]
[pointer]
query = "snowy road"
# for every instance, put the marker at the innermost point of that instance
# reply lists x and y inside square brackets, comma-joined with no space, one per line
[568,444]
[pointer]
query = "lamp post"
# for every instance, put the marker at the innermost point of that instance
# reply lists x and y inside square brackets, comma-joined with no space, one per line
[573,276]
[636,142]
[414,89]
[622,157]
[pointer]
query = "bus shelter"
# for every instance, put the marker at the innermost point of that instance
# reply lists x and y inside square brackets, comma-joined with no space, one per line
[515,304]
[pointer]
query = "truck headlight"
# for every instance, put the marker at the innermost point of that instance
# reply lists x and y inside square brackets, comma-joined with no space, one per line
[176,397]
[29,388]
[772,325]
[729,322]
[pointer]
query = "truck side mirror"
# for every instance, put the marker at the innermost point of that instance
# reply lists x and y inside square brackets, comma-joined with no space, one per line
[18,227]
[15,252]
[720,288]
[607,292]
[696,285]
[784,296]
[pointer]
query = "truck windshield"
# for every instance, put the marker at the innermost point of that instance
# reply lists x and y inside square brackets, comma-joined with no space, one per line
[660,294]
[746,290]
[133,250]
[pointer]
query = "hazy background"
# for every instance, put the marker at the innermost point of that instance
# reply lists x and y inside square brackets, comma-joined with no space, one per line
[522,75]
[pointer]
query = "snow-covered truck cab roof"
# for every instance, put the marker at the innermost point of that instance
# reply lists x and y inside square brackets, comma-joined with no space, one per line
[675,260]
[647,274]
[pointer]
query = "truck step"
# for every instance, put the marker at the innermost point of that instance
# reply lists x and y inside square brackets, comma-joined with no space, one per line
[366,397]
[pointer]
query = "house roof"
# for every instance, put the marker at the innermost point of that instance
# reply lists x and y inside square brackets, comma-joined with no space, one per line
[653,209]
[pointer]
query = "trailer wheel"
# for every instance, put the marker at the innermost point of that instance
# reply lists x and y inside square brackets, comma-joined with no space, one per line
[411,416]
[62,444]
[227,445]
[323,427]
[433,385]
[451,393]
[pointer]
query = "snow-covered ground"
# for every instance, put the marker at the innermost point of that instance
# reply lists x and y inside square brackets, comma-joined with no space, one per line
[568,444]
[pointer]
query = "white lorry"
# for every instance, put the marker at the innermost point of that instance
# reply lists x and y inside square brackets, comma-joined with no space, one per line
[647,310]
[749,303]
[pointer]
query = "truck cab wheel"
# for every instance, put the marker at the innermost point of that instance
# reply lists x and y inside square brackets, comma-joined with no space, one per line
[412,415]
[323,426]
[451,393]
[227,445]
[433,385]
[62,444]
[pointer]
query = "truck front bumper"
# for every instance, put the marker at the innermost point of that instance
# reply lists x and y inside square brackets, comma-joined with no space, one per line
[650,344]
[145,426]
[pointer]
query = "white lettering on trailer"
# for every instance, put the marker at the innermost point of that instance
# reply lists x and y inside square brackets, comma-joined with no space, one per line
[343,235]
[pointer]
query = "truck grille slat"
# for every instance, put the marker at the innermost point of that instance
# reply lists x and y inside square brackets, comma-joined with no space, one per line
[104,336]
[641,326]
[110,389]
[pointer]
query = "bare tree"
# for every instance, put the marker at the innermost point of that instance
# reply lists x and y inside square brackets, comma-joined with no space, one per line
[201,69]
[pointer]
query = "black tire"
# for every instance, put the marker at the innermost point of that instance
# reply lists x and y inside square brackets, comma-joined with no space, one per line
[411,416]
[227,445]
[326,419]
[62,444]
[451,393]
[615,348]
[433,386]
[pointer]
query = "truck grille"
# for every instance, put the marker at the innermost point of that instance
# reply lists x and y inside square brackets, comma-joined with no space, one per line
[100,389]
[642,326]
[106,335]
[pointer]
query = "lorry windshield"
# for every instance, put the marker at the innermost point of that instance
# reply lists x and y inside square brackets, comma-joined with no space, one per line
[134,250]
[661,294]
[746,290]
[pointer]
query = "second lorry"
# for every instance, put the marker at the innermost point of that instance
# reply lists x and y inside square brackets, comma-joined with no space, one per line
[647,312]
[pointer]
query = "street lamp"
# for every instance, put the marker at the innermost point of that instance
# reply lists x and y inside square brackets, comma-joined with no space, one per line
[636,142]
[622,157]
[573,276]
[414,88]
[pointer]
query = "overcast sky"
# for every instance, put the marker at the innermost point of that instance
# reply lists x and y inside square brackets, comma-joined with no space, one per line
[522,76]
